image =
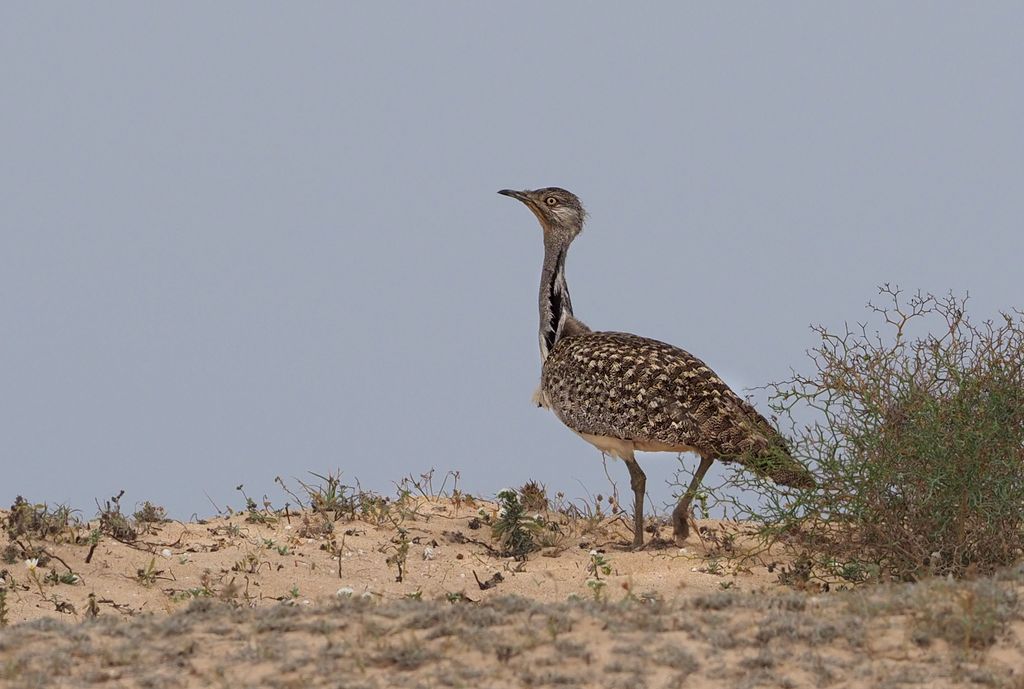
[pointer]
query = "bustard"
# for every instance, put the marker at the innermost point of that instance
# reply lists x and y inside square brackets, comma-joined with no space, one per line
[624,393]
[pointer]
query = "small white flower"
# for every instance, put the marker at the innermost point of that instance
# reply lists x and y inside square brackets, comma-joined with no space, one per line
[428,553]
[288,527]
[366,595]
[32,564]
[593,553]
[166,552]
[74,579]
[344,592]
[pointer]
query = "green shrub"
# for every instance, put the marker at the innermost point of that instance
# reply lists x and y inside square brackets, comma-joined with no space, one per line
[917,440]
[513,530]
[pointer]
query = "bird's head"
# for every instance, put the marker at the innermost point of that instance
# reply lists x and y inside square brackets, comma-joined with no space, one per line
[560,212]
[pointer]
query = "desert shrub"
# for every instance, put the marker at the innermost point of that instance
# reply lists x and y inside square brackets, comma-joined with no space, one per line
[38,521]
[534,496]
[150,514]
[331,497]
[513,530]
[916,432]
[114,523]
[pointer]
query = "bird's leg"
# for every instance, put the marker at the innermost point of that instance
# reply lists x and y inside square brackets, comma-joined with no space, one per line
[638,482]
[680,529]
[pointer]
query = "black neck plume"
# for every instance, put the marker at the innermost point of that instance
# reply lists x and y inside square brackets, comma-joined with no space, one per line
[555,304]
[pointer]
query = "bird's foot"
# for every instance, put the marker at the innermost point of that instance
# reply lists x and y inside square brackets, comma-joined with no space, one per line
[680,534]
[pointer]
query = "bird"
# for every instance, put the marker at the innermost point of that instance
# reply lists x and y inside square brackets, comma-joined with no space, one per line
[625,393]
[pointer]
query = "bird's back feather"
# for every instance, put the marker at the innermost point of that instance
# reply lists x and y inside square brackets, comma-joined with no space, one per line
[634,388]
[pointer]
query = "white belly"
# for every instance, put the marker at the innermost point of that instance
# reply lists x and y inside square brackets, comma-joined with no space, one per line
[624,449]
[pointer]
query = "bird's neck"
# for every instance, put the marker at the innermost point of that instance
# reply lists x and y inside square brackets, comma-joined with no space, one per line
[556,319]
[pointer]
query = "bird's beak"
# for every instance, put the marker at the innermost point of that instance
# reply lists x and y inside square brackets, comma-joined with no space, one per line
[527,199]
[520,195]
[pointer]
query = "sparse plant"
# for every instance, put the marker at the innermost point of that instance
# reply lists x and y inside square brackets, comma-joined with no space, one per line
[597,587]
[229,530]
[549,533]
[533,496]
[513,529]
[4,611]
[424,485]
[115,524]
[147,575]
[376,509]
[92,540]
[253,514]
[39,521]
[190,593]
[331,497]
[67,578]
[207,588]
[586,517]
[249,564]
[32,567]
[27,524]
[917,440]
[597,566]
[149,515]
[398,547]
[315,526]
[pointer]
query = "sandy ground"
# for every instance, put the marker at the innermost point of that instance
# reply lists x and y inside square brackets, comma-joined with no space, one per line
[290,600]
[448,553]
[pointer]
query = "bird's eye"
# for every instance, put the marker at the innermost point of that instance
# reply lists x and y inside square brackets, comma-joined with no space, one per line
[551,201]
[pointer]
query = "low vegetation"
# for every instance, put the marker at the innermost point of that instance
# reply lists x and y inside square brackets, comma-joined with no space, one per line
[915,431]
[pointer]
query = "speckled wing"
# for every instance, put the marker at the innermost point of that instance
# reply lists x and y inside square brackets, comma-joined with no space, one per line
[634,388]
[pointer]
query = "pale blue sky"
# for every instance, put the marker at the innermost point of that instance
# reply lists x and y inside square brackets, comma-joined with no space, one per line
[241,240]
